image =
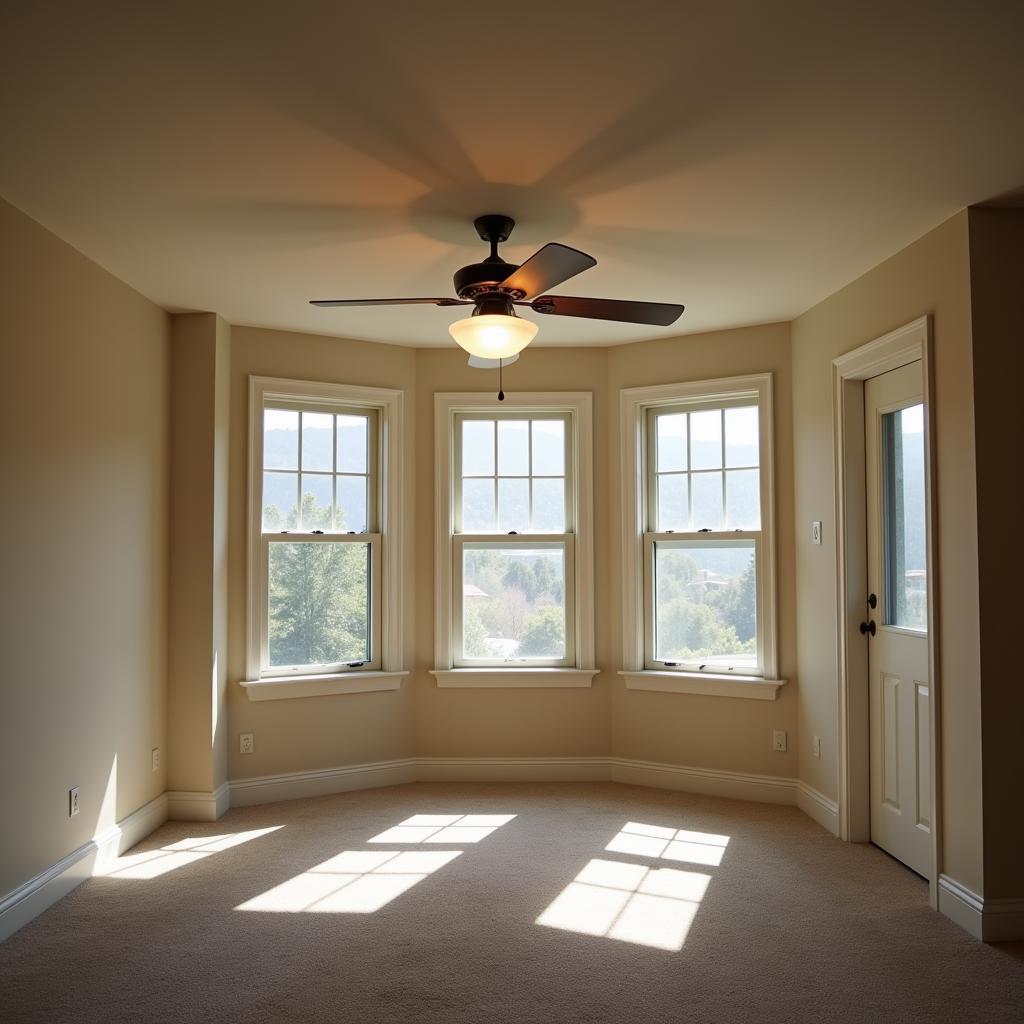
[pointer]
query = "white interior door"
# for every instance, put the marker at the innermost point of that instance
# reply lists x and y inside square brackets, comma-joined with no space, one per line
[896,622]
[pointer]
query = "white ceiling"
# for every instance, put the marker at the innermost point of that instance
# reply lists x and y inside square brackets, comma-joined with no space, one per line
[746,159]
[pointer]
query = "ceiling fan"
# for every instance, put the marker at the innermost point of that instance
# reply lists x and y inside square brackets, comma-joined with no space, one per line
[494,288]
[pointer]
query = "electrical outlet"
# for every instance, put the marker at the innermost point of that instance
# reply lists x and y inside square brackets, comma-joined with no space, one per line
[73,802]
[246,744]
[779,740]
[156,759]
[816,747]
[816,532]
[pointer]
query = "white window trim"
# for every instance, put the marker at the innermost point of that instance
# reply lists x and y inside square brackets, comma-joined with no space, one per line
[388,404]
[446,406]
[635,403]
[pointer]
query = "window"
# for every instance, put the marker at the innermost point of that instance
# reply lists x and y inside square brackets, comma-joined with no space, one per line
[323,515]
[514,492]
[699,567]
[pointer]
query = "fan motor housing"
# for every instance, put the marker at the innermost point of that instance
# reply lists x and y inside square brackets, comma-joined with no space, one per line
[479,278]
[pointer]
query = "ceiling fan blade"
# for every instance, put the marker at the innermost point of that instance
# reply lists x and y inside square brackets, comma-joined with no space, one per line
[658,314]
[388,302]
[547,268]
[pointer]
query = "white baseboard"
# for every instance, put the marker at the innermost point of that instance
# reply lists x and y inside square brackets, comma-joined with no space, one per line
[708,781]
[270,789]
[18,907]
[818,806]
[199,806]
[988,920]
[711,782]
[512,769]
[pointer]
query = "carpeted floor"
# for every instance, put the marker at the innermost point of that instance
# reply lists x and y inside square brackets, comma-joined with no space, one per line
[595,902]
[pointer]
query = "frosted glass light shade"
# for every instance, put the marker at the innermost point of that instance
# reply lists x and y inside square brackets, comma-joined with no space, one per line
[492,335]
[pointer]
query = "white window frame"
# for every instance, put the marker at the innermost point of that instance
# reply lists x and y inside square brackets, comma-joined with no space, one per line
[383,671]
[577,669]
[640,669]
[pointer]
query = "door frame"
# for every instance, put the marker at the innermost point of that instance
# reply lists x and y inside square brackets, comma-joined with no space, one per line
[849,372]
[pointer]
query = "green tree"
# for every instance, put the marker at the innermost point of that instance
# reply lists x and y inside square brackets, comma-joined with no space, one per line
[739,603]
[544,636]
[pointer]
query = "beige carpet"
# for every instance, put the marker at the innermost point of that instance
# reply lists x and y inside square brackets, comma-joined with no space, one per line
[595,902]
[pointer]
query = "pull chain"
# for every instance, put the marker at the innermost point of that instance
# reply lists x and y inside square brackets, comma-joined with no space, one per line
[501,389]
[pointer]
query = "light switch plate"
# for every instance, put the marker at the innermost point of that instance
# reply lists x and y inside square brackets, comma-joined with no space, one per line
[816,531]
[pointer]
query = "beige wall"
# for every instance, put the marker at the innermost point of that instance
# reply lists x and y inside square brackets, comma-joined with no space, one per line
[304,734]
[709,732]
[929,277]
[319,732]
[84,450]
[197,670]
[997,274]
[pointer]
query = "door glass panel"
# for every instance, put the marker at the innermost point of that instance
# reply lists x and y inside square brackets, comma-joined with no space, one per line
[903,513]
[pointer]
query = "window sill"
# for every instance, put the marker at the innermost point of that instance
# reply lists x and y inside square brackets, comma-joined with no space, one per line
[287,687]
[749,687]
[514,678]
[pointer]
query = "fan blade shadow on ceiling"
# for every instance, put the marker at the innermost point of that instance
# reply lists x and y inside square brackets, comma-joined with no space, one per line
[300,225]
[656,136]
[346,85]
[636,245]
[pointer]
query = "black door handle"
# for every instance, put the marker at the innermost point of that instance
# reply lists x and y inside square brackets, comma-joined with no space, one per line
[868,627]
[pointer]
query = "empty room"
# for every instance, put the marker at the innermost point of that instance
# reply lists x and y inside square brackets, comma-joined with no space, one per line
[506,512]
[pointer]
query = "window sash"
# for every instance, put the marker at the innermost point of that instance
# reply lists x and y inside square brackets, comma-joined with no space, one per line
[525,415]
[651,474]
[373,481]
[692,540]
[564,542]
[374,662]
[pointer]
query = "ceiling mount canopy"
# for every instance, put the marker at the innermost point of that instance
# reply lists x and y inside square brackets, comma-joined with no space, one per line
[494,288]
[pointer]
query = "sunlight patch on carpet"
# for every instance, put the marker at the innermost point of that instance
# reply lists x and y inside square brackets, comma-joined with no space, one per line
[629,902]
[443,828]
[153,863]
[669,844]
[353,882]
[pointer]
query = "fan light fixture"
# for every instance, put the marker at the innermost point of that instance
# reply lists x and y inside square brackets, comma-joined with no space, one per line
[493,335]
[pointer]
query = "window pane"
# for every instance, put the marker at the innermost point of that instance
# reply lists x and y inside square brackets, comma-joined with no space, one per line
[549,505]
[743,499]
[317,441]
[280,439]
[280,494]
[513,505]
[741,437]
[513,602]
[319,598]
[707,501]
[477,506]
[673,502]
[351,511]
[352,444]
[671,431]
[905,555]
[477,447]
[706,440]
[514,447]
[706,604]
[548,447]
[316,501]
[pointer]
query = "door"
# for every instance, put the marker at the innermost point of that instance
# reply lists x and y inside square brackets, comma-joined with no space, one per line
[897,616]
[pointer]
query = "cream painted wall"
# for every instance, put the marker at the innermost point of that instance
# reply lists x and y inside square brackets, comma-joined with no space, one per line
[499,722]
[710,732]
[197,672]
[997,272]
[84,450]
[929,277]
[315,732]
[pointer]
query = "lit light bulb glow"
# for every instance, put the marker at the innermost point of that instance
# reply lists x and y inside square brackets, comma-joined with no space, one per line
[492,335]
